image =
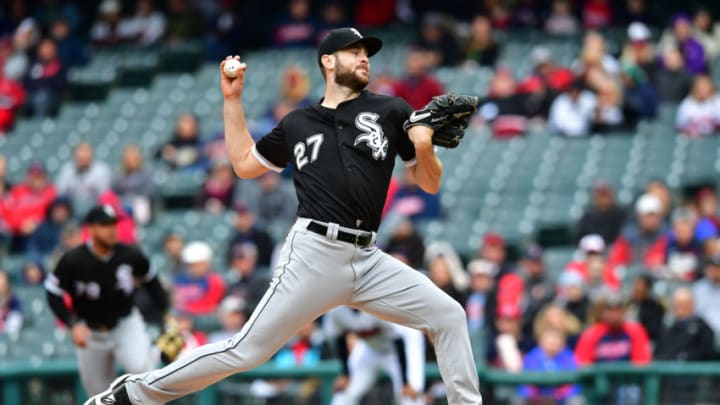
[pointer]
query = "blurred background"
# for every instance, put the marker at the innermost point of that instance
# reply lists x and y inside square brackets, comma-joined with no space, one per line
[582,202]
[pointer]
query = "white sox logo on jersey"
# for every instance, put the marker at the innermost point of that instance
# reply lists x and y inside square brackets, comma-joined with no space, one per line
[372,135]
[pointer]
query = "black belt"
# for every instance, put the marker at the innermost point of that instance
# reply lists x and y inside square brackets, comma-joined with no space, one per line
[363,239]
[102,326]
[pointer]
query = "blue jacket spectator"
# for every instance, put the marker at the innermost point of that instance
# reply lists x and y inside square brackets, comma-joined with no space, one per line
[297,27]
[46,237]
[412,202]
[551,355]
[71,49]
[46,79]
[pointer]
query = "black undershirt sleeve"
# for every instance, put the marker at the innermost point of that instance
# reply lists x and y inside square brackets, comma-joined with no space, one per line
[157,293]
[400,347]
[61,311]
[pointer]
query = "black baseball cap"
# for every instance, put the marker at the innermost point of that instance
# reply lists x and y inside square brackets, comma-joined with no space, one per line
[341,38]
[101,215]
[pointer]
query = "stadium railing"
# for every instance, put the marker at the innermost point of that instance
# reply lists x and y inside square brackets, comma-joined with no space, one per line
[596,380]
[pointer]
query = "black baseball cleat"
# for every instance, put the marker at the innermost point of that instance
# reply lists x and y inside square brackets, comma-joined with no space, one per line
[115,395]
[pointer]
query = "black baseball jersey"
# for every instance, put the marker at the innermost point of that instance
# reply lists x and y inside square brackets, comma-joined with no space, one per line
[342,158]
[101,288]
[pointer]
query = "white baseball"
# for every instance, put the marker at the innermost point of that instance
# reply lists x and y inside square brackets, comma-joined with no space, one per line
[231,67]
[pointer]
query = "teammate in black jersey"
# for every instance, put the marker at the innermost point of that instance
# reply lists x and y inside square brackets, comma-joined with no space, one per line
[100,277]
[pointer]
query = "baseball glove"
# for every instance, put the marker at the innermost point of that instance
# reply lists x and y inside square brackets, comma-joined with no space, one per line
[448,115]
[170,342]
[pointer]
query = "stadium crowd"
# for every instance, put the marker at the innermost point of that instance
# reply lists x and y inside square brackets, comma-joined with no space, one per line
[604,305]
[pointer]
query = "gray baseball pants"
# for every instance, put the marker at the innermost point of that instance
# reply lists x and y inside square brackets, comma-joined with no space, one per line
[316,273]
[127,343]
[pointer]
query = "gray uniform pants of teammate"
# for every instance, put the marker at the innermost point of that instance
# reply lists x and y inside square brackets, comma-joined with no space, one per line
[316,273]
[127,343]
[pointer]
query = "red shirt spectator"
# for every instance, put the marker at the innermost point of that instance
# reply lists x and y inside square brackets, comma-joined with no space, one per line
[25,206]
[418,86]
[198,290]
[593,267]
[613,338]
[597,14]
[12,96]
[643,242]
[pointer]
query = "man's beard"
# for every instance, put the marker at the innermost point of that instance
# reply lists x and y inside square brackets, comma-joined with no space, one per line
[348,78]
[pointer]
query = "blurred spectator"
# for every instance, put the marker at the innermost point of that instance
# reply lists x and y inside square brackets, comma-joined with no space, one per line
[173,245]
[84,179]
[555,77]
[47,11]
[244,279]
[184,149]
[25,206]
[644,308]
[418,86]
[198,290]
[708,225]
[572,113]
[636,10]
[640,66]
[24,40]
[478,305]
[218,189]
[182,22]
[608,114]
[572,296]
[707,33]
[46,237]
[592,265]
[33,274]
[659,189]
[498,12]
[612,338]
[297,27]
[407,239]
[191,337]
[14,12]
[527,14]
[604,216]
[46,79]
[11,317]
[706,293]
[551,355]
[70,238]
[539,289]
[248,231]
[680,36]
[145,27]
[643,241]
[506,109]
[232,317]
[597,14]
[270,198]
[438,41]
[699,112]
[412,202]
[561,20]
[688,338]
[71,50]
[225,30]
[334,15]
[105,31]
[555,317]
[493,249]
[594,55]
[672,80]
[12,97]
[446,271]
[684,250]
[374,13]
[507,348]
[134,183]
[481,47]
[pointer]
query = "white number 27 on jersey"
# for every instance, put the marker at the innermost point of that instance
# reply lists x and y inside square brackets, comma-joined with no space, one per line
[313,142]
